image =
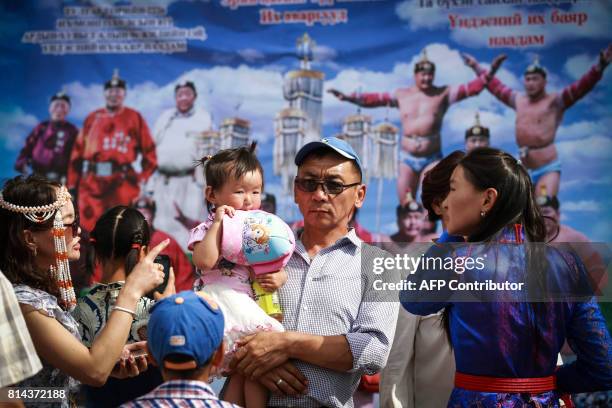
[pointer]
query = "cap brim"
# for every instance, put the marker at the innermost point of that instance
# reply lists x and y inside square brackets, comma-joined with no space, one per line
[187,365]
[309,147]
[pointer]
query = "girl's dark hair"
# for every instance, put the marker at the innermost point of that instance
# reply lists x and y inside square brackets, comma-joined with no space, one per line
[515,204]
[516,201]
[436,183]
[119,234]
[17,262]
[230,163]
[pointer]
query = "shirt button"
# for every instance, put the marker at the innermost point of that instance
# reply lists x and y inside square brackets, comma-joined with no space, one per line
[305,307]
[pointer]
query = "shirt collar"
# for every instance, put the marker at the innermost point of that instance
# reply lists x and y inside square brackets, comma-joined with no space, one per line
[349,238]
[511,234]
[189,113]
[188,388]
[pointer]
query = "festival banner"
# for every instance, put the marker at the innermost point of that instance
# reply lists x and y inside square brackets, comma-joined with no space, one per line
[285,72]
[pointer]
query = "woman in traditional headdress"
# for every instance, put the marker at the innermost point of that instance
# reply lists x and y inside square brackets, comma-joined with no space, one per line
[40,235]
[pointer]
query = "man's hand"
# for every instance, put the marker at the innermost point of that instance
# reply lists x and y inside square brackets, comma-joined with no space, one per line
[495,64]
[285,379]
[337,94]
[259,353]
[272,281]
[469,60]
[605,57]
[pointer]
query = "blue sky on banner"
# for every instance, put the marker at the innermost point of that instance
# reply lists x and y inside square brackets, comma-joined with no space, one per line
[242,63]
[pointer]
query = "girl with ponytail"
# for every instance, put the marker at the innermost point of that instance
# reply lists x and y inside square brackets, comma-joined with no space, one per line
[120,239]
[506,344]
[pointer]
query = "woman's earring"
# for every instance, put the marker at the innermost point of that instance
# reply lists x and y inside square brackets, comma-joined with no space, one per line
[35,250]
[483,214]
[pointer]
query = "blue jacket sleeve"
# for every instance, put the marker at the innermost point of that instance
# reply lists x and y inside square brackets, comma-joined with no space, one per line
[424,298]
[588,336]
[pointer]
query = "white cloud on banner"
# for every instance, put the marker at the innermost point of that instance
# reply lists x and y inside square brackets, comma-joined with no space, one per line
[421,18]
[16,126]
[324,53]
[577,65]
[579,152]
[596,27]
[581,206]
[325,56]
[586,183]
[581,129]
[251,55]
[257,92]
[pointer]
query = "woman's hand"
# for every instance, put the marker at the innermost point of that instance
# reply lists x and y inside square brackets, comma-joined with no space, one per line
[146,275]
[130,365]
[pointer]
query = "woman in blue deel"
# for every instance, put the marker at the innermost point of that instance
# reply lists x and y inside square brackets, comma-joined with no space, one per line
[506,342]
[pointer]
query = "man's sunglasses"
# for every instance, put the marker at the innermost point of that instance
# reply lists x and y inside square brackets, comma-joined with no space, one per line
[329,186]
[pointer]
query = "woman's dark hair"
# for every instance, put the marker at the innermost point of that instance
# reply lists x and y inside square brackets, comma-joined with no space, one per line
[17,261]
[515,204]
[230,164]
[516,201]
[119,234]
[436,183]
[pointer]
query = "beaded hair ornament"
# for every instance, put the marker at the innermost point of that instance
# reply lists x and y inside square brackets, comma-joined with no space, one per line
[39,214]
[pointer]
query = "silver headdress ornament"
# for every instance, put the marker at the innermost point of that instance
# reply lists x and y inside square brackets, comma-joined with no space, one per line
[39,214]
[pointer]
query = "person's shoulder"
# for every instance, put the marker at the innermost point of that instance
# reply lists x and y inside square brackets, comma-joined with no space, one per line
[95,112]
[562,259]
[399,92]
[25,290]
[201,112]
[370,252]
[71,126]
[165,115]
[37,299]
[42,124]
[4,282]
[572,235]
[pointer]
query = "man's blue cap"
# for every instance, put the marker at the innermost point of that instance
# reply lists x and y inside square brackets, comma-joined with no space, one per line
[338,145]
[186,324]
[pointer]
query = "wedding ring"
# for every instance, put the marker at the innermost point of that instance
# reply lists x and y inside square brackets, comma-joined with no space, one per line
[279,382]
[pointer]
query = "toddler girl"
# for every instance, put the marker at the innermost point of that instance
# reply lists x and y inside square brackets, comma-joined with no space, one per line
[234,181]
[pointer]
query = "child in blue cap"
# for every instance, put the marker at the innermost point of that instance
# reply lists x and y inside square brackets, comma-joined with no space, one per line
[185,339]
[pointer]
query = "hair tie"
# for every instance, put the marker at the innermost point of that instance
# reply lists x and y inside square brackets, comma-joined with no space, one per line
[136,245]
